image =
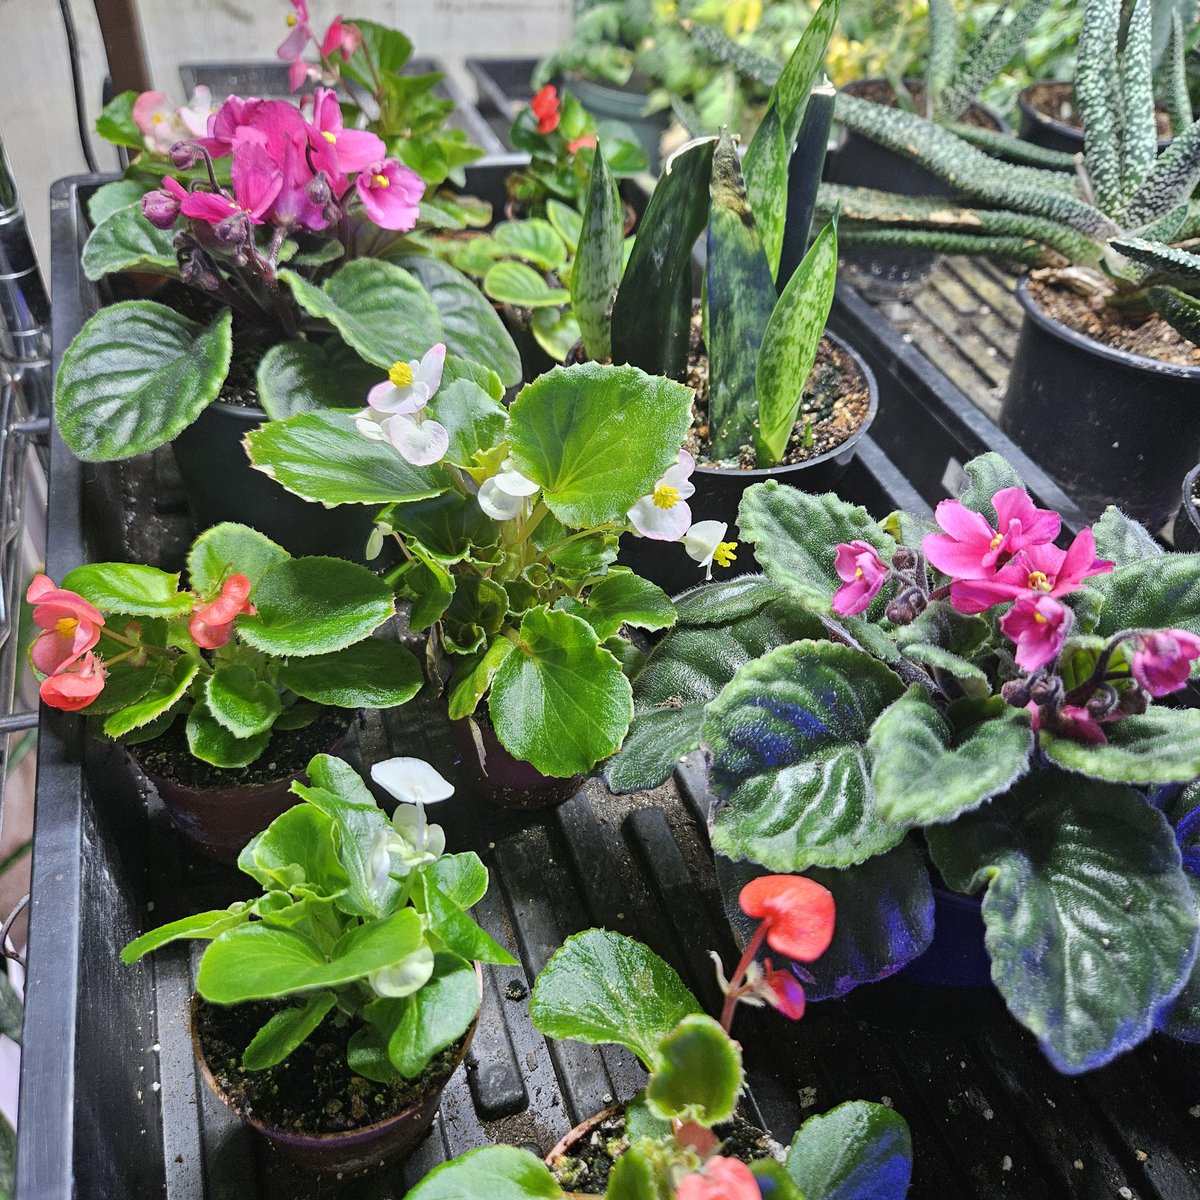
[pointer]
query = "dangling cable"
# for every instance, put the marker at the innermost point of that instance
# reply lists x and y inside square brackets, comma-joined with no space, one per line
[85,139]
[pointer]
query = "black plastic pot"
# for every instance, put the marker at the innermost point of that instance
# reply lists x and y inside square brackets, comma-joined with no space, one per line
[1042,130]
[625,104]
[719,493]
[957,956]
[1110,426]
[500,778]
[1187,523]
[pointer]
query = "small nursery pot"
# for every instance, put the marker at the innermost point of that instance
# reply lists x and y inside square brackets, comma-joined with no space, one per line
[719,493]
[1187,523]
[625,104]
[223,486]
[1112,427]
[493,773]
[1042,129]
[957,956]
[353,1150]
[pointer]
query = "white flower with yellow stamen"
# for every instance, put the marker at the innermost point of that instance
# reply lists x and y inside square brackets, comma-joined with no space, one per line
[410,385]
[705,543]
[664,514]
[395,411]
[503,495]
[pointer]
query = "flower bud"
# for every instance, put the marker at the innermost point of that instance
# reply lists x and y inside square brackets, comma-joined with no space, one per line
[160,208]
[234,230]
[1133,701]
[904,559]
[197,270]
[906,607]
[1103,701]
[184,155]
[1046,689]
[1016,692]
[318,189]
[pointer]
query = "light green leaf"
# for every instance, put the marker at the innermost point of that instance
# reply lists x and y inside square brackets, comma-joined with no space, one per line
[295,853]
[457,932]
[498,1172]
[116,124]
[130,588]
[520,285]
[697,1075]
[285,1031]
[472,419]
[198,925]
[108,197]
[533,240]
[436,1016]
[239,700]
[566,221]
[126,241]
[298,376]
[857,1151]
[211,742]
[1160,746]
[230,549]
[555,330]
[373,673]
[473,676]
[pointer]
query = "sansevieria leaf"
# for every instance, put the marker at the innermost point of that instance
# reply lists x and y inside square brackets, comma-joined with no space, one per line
[597,269]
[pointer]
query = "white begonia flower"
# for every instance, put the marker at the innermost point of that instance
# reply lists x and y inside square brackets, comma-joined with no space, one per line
[502,495]
[411,781]
[395,411]
[664,515]
[409,385]
[704,542]
[418,439]
[409,975]
[413,841]
[196,112]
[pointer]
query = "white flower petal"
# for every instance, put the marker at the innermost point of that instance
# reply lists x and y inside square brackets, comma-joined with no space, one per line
[515,484]
[409,975]
[498,505]
[421,443]
[678,474]
[702,540]
[379,859]
[661,524]
[385,396]
[411,780]
[429,370]
[369,424]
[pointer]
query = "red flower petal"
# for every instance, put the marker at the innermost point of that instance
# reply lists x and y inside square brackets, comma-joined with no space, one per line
[799,910]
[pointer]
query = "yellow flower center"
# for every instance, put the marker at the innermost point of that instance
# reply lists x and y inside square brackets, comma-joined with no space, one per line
[401,374]
[858,573]
[381,181]
[329,136]
[66,626]
[1037,616]
[292,20]
[1038,581]
[723,555]
[995,541]
[666,496]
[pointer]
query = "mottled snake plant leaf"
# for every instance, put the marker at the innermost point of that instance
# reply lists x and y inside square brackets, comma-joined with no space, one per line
[597,269]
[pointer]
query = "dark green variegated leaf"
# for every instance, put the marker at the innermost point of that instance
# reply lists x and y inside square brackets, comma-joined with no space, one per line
[925,772]
[1090,922]
[230,549]
[126,241]
[766,172]
[598,262]
[857,1151]
[498,1172]
[239,700]
[788,740]
[373,673]
[298,376]
[130,588]
[136,375]
[697,1075]
[1161,746]
[604,988]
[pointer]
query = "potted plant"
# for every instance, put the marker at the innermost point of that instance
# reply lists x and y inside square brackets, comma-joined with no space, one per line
[507,521]
[262,650]
[681,1137]
[976,684]
[331,1010]
[1100,389]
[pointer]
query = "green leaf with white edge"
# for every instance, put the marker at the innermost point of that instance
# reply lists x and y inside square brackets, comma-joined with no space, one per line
[473,676]
[230,549]
[436,1016]
[286,1030]
[567,223]
[205,925]
[520,285]
[1160,746]
[789,346]
[374,673]
[239,700]
[299,376]
[129,588]
[1151,593]
[560,700]
[857,1151]
[623,598]
[473,420]
[126,241]
[925,772]
[166,691]
[597,438]
[136,375]
[534,241]
[211,742]
[986,475]
[555,330]
[108,197]
[471,327]
[458,933]
[597,268]
[321,456]
[607,989]
[257,962]
[497,1172]
[363,301]
[1089,920]
[1121,540]
[697,1074]
[309,606]
[795,536]
[789,764]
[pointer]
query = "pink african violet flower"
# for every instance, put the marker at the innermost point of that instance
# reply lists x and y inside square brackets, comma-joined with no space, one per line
[721,1179]
[342,37]
[71,626]
[970,548]
[1071,721]
[391,194]
[1039,625]
[353,149]
[863,573]
[212,623]
[293,46]
[1045,569]
[1162,659]
[75,684]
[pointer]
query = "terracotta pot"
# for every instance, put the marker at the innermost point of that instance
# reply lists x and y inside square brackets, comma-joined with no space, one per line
[353,1150]
[498,777]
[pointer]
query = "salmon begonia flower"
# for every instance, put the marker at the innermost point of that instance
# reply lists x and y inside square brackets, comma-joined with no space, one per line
[721,1179]
[71,625]
[798,912]
[212,623]
[74,685]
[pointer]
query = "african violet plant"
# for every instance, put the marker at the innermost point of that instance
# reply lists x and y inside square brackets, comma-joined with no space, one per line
[508,520]
[261,642]
[360,917]
[1094,223]
[288,296]
[976,684]
[603,988]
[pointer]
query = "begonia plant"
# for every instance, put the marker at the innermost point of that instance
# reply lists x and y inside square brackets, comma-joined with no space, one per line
[361,920]
[967,699]
[604,988]
[258,642]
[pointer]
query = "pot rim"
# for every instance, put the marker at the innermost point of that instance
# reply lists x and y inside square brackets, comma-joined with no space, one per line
[754,474]
[1060,127]
[1002,126]
[346,1137]
[1126,358]
[239,411]
[1189,505]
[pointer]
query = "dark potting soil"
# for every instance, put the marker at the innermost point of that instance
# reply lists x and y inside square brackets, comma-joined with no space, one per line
[288,751]
[1150,336]
[835,403]
[880,91]
[313,1090]
[1057,101]
[586,1171]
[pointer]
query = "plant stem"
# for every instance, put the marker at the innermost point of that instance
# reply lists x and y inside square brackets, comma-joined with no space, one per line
[739,975]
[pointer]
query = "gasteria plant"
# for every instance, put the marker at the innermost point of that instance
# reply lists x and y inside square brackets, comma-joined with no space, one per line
[976,683]
[261,641]
[1123,189]
[508,522]
[361,920]
[603,988]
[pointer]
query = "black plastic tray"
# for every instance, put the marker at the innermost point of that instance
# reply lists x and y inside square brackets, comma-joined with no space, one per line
[110,1103]
[503,87]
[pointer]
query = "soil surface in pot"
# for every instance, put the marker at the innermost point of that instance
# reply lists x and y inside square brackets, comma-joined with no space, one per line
[587,1172]
[835,403]
[1056,100]
[879,91]
[313,1090]
[1150,336]
[288,751]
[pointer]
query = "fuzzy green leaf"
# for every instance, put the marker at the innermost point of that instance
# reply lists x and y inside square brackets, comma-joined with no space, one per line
[239,700]
[1161,746]
[130,588]
[498,1172]
[1154,593]
[126,241]
[697,1075]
